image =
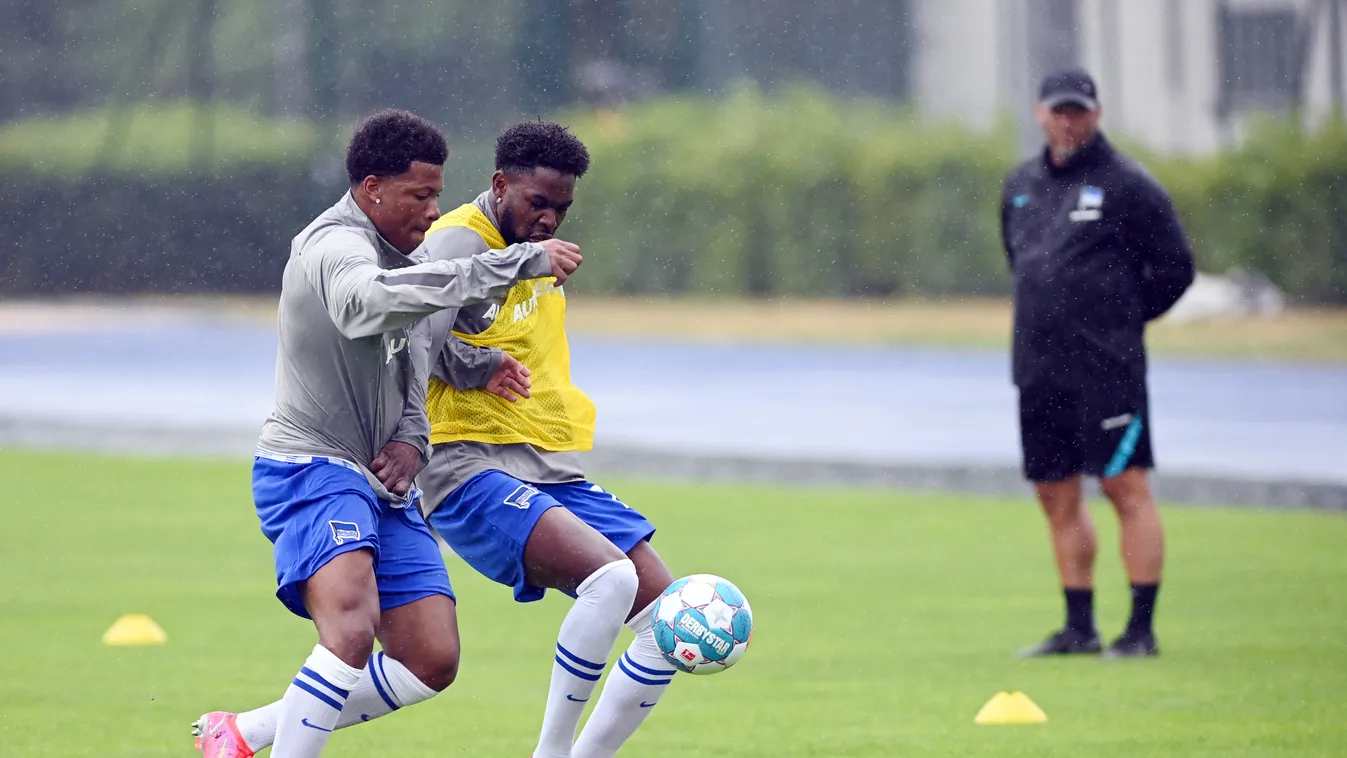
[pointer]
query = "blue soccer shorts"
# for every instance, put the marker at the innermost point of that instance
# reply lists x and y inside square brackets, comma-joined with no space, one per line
[314,509]
[489,518]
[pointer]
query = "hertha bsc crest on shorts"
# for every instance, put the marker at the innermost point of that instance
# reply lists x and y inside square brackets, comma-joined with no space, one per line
[344,531]
[521,496]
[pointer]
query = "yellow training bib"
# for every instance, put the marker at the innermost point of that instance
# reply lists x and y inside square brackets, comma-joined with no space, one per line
[531,326]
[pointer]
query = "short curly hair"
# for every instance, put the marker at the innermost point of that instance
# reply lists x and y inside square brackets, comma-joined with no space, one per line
[528,145]
[387,142]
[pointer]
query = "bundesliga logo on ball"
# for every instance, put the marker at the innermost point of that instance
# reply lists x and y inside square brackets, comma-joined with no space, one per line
[703,624]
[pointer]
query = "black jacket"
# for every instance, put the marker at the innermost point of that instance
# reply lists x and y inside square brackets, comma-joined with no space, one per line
[1096,251]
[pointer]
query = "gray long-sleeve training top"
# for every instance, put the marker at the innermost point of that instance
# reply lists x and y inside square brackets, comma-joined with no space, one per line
[347,380]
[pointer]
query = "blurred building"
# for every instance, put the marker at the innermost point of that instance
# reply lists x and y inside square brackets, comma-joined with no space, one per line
[1180,75]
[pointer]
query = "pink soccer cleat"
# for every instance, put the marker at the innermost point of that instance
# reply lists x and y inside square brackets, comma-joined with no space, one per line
[218,737]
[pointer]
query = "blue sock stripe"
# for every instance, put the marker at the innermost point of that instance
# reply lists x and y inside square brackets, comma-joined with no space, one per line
[586,676]
[578,660]
[379,687]
[309,688]
[310,673]
[654,672]
[392,691]
[1126,448]
[622,664]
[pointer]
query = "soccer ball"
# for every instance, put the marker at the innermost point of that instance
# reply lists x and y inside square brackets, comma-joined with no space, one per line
[702,624]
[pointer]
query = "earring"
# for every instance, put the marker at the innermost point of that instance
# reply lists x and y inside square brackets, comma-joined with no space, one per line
[500,199]
[377,201]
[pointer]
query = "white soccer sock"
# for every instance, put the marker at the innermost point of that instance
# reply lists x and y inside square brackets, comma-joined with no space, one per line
[586,638]
[385,686]
[312,704]
[258,726]
[629,694]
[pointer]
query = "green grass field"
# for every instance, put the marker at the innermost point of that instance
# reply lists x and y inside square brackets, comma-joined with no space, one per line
[884,621]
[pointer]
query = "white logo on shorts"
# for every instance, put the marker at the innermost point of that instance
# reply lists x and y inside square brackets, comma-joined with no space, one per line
[1117,421]
[521,496]
[344,531]
[602,491]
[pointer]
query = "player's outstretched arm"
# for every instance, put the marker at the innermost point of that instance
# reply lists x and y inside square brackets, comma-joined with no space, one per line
[364,300]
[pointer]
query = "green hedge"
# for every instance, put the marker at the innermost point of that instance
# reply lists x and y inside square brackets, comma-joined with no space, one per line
[801,194]
[164,140]
[797,194]
[1277,204]
[114,234]
[791,194]
[156,216]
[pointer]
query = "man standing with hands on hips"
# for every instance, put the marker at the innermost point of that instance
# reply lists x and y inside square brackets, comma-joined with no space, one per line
[1097,252]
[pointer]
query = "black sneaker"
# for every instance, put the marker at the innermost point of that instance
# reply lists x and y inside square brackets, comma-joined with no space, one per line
[1065,642]
[1133,645]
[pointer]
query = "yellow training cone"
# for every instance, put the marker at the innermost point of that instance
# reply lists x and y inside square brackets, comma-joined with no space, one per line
[134,629]
[1010,708]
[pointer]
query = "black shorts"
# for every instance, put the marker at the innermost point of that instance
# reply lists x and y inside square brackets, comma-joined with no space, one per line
[1099,431]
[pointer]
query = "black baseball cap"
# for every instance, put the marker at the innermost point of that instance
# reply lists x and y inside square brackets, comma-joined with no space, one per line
[1069,85]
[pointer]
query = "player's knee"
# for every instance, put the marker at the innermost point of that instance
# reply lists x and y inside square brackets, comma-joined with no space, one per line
[1061,500]
[344,604]
[350,637]
[1063,513]
[347,626]
[437,665]
[614,582]
[1127,492]
[1113,489]
[626,579]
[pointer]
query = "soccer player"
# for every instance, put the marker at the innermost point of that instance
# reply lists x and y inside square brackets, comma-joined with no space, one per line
[505,487]
[336,461]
